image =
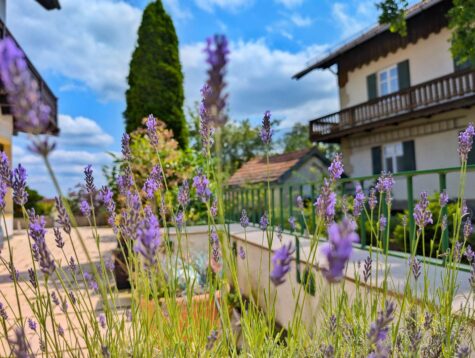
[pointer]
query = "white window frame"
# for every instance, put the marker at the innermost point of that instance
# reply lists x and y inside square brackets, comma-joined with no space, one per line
[388,81]
[392,151]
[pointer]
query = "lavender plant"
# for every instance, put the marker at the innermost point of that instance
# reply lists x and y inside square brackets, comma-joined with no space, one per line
[222,302]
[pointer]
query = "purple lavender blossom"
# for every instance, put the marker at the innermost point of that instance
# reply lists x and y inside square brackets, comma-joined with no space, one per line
[109,264]
[14,273]
[58,238]
[179,218]
[469,254]
[201,184]
[32,278]
[63,217]
[368,263]
[32,324]
[20,196]
[382,223]
[292,223]
[41,146]
[5,171]
[216,256]
[54,298]
[3,312]
[72,265]
[64,305]
[152,130]
[336,167]
[463,352]
[89,178]
[263,222]
[266,130]
[443,199]
[213,336]
[242,253]
[3,193]
[85,208]
[422,214]
[60,330]
[457,251]
[465,142]
[299,203]
[385,182]
[92,283]
[373,200]
[379,329]
[467,228]
[206,125]
[415,266]
[184,194]
[338,249]
[72,297]
[326,202]
[126,154]
[214,208]
[281,261]
[125,182]
[20,346]
[214,239]
[106,196]
[148,237]
[31,114]
[358,203]
[217,52]
[153,182]
[279,232]
[244,219]
[37,232]
[130,219]
[102,321]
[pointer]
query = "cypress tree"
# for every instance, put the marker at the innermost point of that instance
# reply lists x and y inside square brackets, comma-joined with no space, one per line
[155,78]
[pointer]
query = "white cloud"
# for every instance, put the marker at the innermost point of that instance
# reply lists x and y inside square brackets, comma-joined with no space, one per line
[177,11]
[259,78]
[87,41]
[82,131]
[301,21]
[353,19]
[290,3]
[229,5]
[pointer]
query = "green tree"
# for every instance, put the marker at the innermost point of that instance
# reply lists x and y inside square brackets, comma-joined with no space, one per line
[461,21]
[155,77]
[35,201]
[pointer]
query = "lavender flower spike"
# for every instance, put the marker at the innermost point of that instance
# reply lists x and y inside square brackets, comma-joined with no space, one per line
[380,328]
[125,142]
[37,232]
[85,208]
[63,217]
[281,262]
[336,167]
[358,203]
[89,179]
[266,130]
[264,222]
[338,249]
[20,346]
[20,196]
[422,214]
[184,194]
[201,184]
[466,142]
[325,203]
[443,199]
[244,219]
[152,130]
[148,237]
[58,238]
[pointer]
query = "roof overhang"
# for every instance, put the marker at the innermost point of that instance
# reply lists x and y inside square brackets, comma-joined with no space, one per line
[333,57]
[50,4]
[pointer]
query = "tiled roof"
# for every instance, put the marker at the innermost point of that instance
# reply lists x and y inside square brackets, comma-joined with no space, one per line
[256,170]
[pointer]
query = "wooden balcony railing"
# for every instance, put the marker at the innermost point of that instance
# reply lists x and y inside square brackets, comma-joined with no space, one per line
[441,94]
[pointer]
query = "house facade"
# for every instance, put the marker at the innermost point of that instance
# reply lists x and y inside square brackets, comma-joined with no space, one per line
[7,122]
[403,101]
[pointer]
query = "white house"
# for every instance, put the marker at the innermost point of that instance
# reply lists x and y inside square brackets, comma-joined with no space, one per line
[403,101]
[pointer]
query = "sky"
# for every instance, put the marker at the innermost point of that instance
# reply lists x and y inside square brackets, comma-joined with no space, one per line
[83,52]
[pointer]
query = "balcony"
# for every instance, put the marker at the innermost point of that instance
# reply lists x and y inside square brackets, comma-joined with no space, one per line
[446,93]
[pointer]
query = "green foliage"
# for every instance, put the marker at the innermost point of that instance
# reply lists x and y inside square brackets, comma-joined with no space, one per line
[35,201]
[155,78]
[462,23]
[393,13]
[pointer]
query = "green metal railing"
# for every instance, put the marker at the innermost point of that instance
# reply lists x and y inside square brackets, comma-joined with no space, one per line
[254,200]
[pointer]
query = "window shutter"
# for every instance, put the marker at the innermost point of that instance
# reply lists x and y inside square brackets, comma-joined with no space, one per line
[376,157]
[408,160]
[404,77]
[371,86]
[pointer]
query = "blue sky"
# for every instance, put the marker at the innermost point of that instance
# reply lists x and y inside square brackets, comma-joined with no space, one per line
[83,52]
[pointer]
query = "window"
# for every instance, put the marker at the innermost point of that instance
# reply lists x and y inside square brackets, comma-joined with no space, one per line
[394,157]
[391,152]
[388,81]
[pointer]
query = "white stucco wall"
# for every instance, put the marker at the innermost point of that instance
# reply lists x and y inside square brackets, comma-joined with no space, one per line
[433,150]
[428,59]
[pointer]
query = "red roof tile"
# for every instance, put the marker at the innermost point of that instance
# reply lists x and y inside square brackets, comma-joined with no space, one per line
[256,170]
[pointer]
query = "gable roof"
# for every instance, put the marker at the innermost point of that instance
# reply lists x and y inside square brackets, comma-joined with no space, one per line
[367,36]
[256,170]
